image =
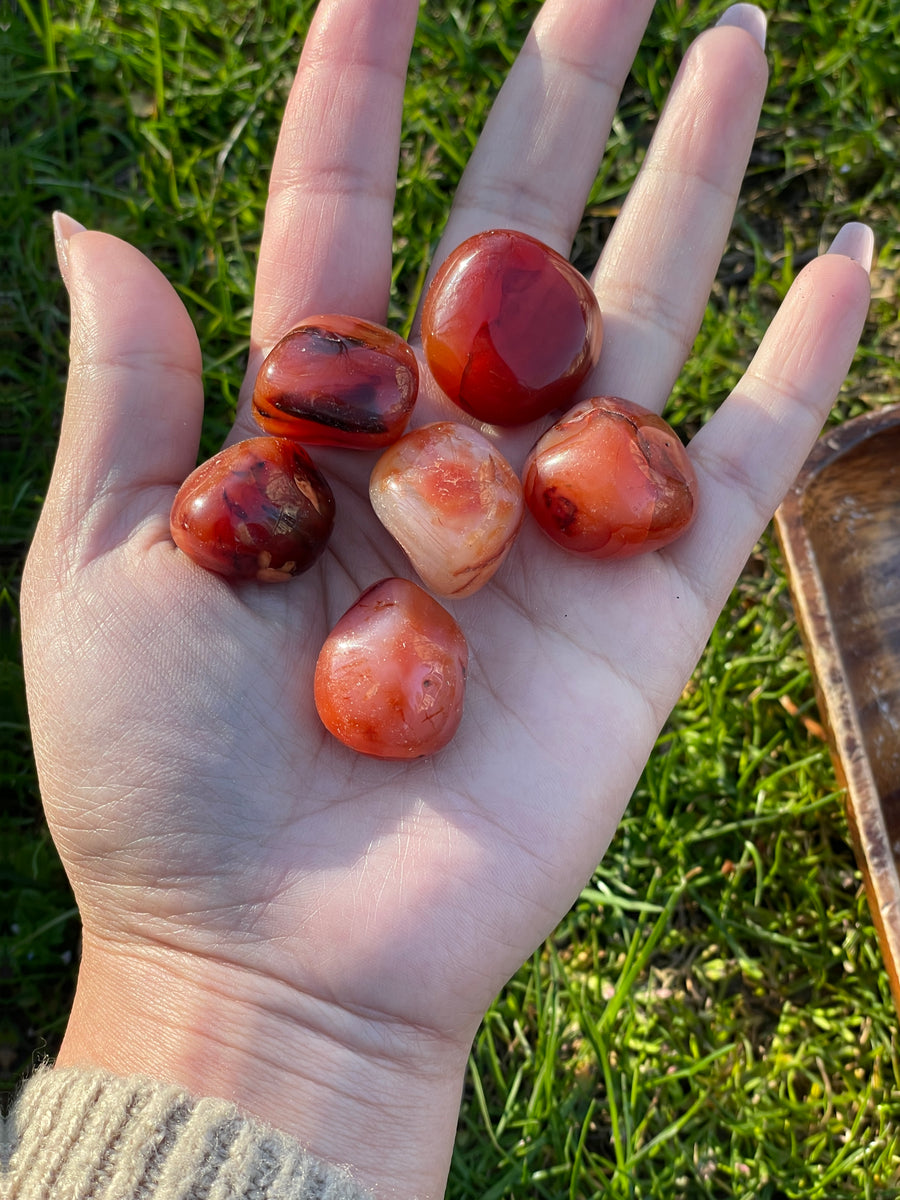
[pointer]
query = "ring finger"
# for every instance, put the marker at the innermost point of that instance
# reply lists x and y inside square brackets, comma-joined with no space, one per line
[657,267]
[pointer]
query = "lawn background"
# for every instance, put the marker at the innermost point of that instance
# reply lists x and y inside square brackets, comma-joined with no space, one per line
[712,1018]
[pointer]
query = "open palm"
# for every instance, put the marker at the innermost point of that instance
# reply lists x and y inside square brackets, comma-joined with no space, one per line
[212,829]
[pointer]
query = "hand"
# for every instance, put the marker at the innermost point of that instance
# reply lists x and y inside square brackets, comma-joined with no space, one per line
[267,916]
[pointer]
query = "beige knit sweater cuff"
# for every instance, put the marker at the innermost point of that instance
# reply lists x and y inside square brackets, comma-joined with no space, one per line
[88,1135]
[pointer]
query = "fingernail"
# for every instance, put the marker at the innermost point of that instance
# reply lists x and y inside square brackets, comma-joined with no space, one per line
[856,241]
[64,227]
[746,16]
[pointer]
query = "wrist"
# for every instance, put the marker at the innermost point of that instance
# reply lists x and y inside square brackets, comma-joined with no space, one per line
[352,1090]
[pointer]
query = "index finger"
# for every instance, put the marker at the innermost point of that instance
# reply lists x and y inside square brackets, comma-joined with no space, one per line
[326,243]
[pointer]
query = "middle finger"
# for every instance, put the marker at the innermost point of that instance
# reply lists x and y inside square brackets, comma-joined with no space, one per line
[538,155]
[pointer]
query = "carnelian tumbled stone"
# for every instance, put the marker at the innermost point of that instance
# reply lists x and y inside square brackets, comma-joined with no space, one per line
[337,381]
[453,503]
[509,327]
[610,479]
[390,678]
[258,509]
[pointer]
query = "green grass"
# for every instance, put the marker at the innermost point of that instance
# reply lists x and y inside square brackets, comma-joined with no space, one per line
[712,1018]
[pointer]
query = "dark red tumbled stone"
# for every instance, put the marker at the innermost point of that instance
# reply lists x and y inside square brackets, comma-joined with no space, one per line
[339,381]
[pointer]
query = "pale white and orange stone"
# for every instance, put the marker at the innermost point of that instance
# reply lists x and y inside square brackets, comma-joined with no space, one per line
[452,502]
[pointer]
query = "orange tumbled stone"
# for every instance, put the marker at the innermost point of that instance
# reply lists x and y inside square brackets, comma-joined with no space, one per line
[611,479]
[390,678]
[510,329]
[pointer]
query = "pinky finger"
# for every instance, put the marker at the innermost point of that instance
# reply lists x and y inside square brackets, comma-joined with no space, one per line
[747,456]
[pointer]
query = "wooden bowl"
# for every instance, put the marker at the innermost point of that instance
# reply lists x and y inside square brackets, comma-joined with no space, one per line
[839,527]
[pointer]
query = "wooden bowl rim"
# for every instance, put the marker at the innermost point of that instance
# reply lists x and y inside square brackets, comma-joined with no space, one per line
[837,705]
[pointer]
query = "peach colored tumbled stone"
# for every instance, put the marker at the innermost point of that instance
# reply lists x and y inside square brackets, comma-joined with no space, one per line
[453,503]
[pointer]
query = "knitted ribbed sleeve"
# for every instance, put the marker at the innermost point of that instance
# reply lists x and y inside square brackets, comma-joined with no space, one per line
[88,1135]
